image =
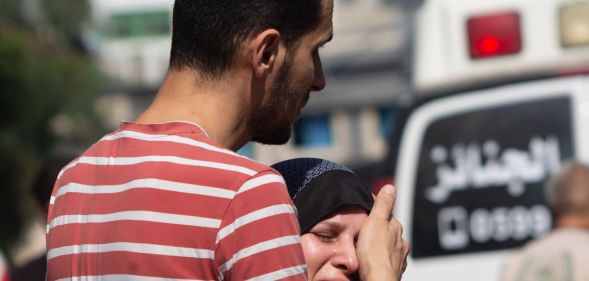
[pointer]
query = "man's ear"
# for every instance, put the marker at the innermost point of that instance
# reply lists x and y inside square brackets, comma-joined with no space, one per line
[265,50]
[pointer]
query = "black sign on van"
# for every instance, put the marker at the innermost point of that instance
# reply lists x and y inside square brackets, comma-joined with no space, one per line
[481,175]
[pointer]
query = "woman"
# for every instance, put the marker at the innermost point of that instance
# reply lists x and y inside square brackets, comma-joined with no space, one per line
[333,208]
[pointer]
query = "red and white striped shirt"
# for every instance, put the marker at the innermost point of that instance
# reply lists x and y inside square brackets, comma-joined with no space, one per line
[164,202]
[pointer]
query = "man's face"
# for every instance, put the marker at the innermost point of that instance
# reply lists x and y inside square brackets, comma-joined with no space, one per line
[300,73]
[270,126]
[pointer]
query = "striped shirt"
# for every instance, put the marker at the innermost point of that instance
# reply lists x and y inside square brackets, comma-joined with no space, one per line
[164,202]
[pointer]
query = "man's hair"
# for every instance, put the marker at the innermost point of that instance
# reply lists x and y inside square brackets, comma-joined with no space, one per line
[568,191]
[208,34]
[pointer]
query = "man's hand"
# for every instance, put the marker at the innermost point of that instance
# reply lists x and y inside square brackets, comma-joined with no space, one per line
[382,251]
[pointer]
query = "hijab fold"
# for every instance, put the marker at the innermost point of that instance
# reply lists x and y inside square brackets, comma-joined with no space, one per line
[318,187]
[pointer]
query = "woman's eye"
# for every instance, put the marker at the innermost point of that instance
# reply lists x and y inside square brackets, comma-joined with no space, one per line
[326,237]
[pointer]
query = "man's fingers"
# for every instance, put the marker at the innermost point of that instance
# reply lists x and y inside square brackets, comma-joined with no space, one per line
[384,202]
[406,250]
[396,229]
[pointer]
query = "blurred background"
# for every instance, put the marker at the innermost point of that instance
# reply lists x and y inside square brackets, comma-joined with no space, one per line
[71,70]
[50,84]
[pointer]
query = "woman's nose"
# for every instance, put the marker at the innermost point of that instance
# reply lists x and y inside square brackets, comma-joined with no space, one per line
[345,259]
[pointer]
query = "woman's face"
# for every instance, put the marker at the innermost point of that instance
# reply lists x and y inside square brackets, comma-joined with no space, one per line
[329,246]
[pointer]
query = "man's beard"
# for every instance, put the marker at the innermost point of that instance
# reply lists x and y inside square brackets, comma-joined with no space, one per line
[271,124]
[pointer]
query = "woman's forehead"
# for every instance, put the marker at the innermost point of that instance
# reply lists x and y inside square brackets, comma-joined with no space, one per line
[345,215]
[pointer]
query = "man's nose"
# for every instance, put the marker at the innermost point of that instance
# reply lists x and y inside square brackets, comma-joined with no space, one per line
[319,77]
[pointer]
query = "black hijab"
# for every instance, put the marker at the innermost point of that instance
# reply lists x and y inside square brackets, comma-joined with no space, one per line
[318,187]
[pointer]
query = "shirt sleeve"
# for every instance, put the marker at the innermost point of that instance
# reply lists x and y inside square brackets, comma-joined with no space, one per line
[259,237]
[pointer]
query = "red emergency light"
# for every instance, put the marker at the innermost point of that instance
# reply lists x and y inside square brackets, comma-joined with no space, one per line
[494,35]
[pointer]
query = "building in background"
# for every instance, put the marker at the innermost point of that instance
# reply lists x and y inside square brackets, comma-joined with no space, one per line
[348,122]
[133,40]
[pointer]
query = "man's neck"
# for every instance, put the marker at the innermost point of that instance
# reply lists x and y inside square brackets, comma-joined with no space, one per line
[217,106]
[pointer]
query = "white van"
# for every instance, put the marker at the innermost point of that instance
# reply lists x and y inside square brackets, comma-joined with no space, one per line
[464,42]
[503,101]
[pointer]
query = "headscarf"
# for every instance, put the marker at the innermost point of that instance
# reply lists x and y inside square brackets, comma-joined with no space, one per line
[318,187]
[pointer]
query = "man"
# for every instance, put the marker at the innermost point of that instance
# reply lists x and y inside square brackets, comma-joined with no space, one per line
[166,197]
[564,253]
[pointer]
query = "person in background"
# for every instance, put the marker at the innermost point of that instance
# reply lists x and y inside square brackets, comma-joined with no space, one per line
[332,206]
[564,253]
[42,186]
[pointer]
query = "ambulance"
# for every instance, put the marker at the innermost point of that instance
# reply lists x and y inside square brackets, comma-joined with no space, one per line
[501,102]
